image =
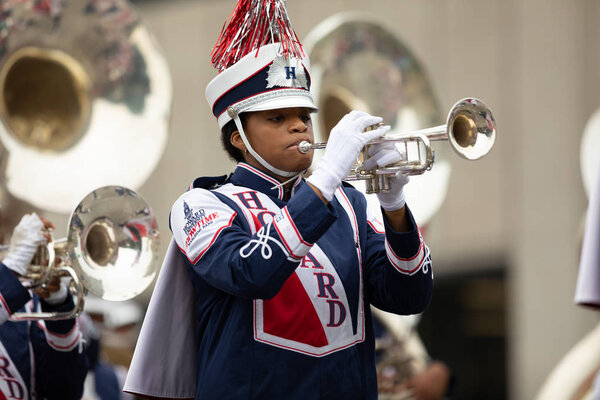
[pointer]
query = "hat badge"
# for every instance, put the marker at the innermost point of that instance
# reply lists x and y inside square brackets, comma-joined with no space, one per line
[287,72]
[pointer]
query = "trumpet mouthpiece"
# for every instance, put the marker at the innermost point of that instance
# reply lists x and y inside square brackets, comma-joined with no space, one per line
[304,147]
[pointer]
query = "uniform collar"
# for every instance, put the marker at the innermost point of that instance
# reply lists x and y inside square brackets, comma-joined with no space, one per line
[251,177]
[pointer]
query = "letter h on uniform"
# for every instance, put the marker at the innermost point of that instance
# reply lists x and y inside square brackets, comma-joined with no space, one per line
[250,200]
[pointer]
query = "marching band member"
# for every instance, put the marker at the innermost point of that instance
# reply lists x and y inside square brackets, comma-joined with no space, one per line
[577,375]
[282,269]
[105,379]
[38,359]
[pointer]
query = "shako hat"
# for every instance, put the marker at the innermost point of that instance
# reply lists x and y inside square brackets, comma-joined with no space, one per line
[261,63]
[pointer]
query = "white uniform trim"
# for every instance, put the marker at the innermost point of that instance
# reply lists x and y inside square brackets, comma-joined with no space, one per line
[4,310]
[62,342]
[409,266]
[290,236]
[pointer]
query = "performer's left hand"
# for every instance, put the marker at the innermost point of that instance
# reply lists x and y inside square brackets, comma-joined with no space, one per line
[431,384]
[381,155]
[54,292]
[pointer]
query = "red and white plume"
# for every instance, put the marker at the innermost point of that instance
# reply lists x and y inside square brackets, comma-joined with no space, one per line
[255,23]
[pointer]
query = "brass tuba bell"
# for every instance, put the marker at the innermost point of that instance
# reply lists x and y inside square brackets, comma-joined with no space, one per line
[111,250]
[85,99]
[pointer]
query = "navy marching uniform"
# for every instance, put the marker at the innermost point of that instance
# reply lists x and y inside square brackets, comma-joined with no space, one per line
[263,293]
[38,359]
[283,288]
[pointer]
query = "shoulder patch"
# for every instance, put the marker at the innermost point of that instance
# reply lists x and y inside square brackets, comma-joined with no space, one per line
[198,217]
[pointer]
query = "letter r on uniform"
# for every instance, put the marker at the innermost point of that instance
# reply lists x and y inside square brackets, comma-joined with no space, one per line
[325,286]
[4,364]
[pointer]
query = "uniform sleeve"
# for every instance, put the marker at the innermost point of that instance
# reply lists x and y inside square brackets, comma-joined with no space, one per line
[399,276]
[61,363]
[217,243]
[13,295]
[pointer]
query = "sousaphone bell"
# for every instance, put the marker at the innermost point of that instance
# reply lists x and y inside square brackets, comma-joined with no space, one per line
[357,63]
[85,97]
[111,250]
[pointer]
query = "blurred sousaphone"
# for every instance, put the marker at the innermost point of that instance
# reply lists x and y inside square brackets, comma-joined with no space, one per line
[111,250]
[356,63]
[576,376]
[85,99]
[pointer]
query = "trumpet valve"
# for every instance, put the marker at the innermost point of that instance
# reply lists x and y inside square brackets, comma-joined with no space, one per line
[369,186]
[384,183]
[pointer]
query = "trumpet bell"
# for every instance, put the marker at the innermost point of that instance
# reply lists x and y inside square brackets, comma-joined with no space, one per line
[471,128]
[113,243]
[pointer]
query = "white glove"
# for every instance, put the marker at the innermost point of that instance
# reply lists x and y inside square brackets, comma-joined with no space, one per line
[394,199]
[26,238]
[346,140]
[381,155]
[58,297]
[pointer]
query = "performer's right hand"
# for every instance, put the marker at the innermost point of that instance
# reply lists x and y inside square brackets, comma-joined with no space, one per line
[26,238]
[343,147]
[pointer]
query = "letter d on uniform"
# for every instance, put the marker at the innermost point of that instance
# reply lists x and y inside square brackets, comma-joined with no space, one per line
[336,318]
[16,390]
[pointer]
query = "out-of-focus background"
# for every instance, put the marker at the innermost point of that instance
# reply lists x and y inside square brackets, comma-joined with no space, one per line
[505,241]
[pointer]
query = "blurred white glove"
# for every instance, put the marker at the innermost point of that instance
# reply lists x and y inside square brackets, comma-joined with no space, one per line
[343,147]
[381,155]
[26,238]
[59,296]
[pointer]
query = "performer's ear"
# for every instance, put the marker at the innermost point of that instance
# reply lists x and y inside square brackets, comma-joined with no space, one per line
[237,142]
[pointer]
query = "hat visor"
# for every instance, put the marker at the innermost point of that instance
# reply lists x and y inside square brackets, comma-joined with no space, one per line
[283,102]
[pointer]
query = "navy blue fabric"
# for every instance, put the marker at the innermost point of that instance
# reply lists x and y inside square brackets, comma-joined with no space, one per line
[13,293]
[60,326]
[107,383]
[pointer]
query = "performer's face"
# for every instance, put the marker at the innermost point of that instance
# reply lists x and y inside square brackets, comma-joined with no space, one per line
[275,134]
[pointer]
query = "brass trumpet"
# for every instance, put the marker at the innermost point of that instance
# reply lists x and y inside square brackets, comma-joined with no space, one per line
[111,249]
[470,128]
